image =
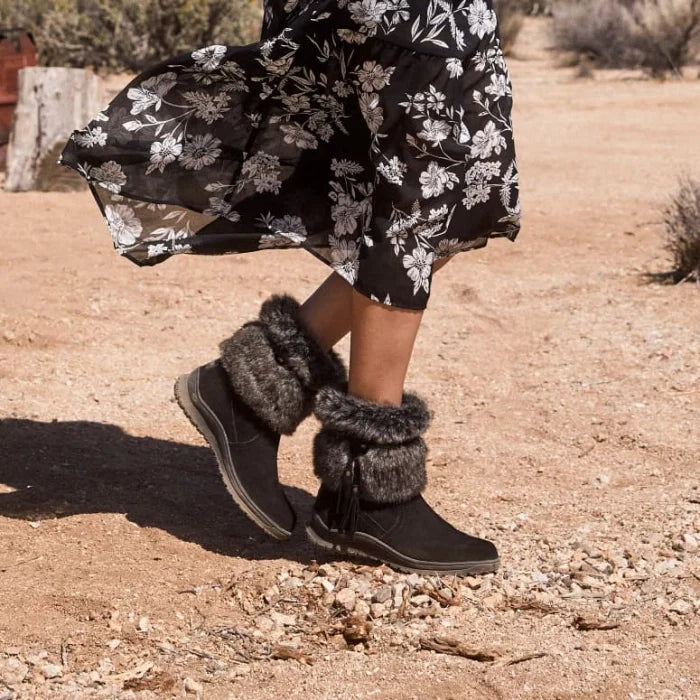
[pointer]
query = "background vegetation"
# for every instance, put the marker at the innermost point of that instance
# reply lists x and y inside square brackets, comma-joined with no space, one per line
[117,35]
[658,35]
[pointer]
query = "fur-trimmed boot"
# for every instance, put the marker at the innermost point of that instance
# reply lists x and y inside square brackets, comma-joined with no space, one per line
[371,462]
[261,387]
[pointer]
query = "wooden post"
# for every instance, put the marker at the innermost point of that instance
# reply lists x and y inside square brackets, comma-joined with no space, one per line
[51,103]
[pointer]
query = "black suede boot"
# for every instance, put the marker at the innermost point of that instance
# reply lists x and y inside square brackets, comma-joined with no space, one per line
[263,386]
[371,461]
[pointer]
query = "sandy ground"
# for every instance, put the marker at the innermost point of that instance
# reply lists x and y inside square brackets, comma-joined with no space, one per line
[566,394]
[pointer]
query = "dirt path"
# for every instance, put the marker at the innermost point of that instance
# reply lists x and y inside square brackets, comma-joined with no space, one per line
[567,402]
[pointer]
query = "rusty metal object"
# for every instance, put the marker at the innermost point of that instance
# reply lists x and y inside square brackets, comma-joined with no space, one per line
[17,50]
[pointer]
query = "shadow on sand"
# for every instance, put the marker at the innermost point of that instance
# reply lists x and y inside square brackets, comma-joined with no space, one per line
[66,468]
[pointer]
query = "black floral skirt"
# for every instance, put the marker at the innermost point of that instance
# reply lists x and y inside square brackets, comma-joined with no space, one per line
[374,133]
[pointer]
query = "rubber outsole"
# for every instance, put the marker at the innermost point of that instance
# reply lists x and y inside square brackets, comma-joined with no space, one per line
[233,486]
[398,561]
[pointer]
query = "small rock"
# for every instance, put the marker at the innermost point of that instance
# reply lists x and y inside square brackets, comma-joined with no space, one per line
[13,671]
[191,686]
[50,670]
[473,582]
[398,589]
[414,580]
[362,608]
[421,599]
[663,567]
[346,599]
[271,595]
[327,570]
[681,607]
[239,671]
[36,659]
[282,619]
[377,610]
[690,542]
[602,479]
[12,651]
[292,583]
[382,595]
[328,585]
[539,577]
[265,624]
[144,624]
[113,644]
[114,624]
[493,601]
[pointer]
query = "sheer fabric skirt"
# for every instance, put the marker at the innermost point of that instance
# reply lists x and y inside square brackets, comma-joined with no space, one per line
[376,134]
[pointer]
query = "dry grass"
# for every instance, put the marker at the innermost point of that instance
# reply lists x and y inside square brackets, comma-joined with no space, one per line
[657,35]
[682,221]
[118,35]
[510,21]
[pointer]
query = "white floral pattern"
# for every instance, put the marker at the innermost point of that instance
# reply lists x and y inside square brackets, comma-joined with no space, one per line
[329,134]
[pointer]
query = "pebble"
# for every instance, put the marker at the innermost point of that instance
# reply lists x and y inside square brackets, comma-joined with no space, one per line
[50,670]
[473,582]
[282,619]
[414,580]
[144,624]
[293,582]
[382,595]
[377,610]
[346,599]
[328,585]
[681,607]
[421,599]
[13,671]
[362,608]
[238,671]
[191,686]
[271,595]
[690,542]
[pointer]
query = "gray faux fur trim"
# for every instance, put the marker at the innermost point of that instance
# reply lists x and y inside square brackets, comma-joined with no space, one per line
[314,366]
[370,422]
[276,367]
[387,474]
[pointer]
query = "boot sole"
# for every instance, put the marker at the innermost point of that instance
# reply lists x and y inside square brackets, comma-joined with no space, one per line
[195,414]
[363,545]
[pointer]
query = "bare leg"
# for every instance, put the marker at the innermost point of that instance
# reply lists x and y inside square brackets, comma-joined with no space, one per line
[381,346]
[327,312]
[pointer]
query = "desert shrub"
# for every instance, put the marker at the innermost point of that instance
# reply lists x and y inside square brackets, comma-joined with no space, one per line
[129,34]
[682,223]
[510,21]
[658,35]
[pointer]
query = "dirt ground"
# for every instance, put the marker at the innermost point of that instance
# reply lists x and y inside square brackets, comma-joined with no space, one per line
[566,394]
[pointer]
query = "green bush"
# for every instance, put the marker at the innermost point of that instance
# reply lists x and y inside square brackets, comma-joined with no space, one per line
[117,35]
[658,35]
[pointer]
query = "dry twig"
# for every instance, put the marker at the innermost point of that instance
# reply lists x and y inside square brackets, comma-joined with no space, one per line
[285,653]
[453,647]
[590,623]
